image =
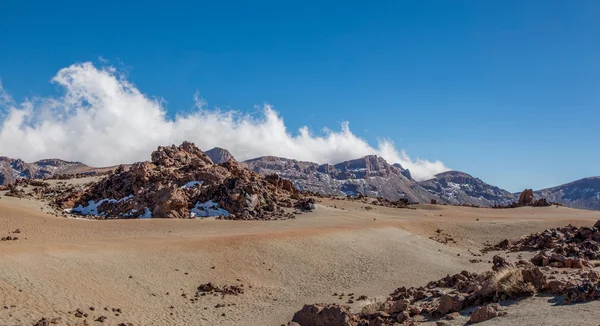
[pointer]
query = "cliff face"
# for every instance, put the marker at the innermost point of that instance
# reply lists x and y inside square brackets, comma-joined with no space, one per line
[370,175]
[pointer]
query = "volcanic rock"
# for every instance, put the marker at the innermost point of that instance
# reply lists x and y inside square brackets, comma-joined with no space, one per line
[484,313]
[183,182]
[323,315]
[451,303]
[526,197]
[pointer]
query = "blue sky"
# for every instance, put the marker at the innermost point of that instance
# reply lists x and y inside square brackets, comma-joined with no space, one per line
[507,91]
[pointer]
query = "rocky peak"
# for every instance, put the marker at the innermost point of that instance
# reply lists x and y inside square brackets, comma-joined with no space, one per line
[457,177]
[55,162]
[219,155]
[405,172]
[369,176]
[367,166]
[185,154]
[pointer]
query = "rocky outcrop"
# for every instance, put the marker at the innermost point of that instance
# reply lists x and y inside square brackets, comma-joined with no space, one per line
[183,182]
[437,299]
[323,315]
[526,197]
[558,245]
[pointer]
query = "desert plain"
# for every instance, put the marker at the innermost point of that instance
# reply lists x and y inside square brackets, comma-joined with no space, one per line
[147,271]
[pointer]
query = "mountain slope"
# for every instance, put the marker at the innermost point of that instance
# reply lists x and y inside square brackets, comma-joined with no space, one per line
[583,193]
[370,175]
[14,169]
[457,188]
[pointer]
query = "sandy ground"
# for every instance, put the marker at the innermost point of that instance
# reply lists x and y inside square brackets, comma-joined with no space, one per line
[144,266]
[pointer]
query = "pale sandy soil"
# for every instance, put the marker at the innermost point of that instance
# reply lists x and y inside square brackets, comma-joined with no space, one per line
[61,264]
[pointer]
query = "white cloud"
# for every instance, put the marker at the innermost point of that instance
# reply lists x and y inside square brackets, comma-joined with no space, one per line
[102,119]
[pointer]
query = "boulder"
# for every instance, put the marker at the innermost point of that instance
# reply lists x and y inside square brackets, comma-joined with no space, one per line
[451,303]
[400,305]
[484,313]
[556,286]
[587,291]
[323,315]
[306,204]
[526,197]
[534,276]
[403,316]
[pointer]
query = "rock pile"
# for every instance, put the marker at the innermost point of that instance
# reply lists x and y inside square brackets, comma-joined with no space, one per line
[578,282]
[306,204]
[182,182]
[210,288]
[324,315]
[558,245]
[435,300]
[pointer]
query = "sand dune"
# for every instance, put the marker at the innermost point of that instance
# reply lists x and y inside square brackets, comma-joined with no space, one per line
[59,265]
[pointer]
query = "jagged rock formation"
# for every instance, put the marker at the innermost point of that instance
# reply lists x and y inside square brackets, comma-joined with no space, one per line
[526,198]
[12,170]
[459,188]
[370,176]
[219,155]
[583,193]
[183,182]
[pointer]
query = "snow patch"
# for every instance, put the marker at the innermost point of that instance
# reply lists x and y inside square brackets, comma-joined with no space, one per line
[92,206]
[208,209]
[357,169]
[147,213]
[192,184]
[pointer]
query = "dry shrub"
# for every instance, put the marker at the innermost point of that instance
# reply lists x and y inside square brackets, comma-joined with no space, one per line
[374,307]
[509,281]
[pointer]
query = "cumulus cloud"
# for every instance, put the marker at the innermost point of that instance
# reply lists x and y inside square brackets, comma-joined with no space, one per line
[102,119]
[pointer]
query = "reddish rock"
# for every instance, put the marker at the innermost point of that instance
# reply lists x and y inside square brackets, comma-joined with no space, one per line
[587,291]
[182,178]
[323,315]
[526,197]
[451,303]
[400,305]
[486,312]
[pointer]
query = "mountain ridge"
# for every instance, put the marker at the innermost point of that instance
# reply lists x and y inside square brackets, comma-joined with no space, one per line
[582,193]
[369,175]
